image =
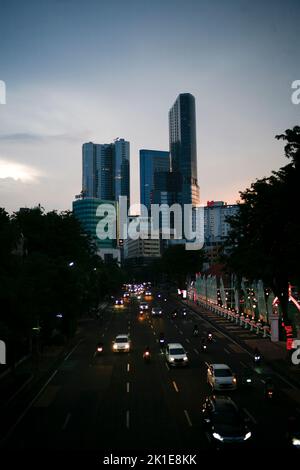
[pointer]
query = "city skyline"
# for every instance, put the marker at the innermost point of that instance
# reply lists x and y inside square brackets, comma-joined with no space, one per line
[86,83]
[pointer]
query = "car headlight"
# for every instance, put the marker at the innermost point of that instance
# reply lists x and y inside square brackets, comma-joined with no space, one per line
[160,311]
[217,436]
[172,359]
[115,346]
[234,380]
[127,345]
[185,359]
[248,435]
[296,442]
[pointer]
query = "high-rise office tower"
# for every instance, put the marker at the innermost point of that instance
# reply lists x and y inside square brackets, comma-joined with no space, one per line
[151,163]
[105,170]
[183,151]
[121,153]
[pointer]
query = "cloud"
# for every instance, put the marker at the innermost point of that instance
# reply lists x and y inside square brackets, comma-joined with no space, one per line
[32,137]
[18,172]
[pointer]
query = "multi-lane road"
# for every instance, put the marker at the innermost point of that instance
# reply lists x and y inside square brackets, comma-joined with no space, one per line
[116,401]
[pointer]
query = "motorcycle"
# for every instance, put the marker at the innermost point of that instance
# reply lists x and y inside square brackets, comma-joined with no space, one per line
[99,349]
[161,343]
[269,390]
[203,347]
[195,332]
[147,356]
[257,358]
[210,337]
[247,378]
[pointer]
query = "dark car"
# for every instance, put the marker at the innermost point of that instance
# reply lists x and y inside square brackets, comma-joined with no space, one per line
[223,422]
[293,432]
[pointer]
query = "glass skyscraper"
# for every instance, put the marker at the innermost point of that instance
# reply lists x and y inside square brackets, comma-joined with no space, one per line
[85,211]
[183,151]
[105,170]
[151,163]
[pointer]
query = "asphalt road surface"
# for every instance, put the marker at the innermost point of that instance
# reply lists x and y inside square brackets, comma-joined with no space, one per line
[116,401]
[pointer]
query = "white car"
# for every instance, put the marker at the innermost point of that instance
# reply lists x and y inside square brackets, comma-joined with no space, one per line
[121,343]
[220,377]
[144,306]
[176,355]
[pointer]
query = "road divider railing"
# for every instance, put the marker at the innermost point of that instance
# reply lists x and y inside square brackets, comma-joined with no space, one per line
[254,326]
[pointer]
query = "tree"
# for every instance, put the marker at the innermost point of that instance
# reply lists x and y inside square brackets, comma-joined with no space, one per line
[265,233]
[177,263]
[49,269]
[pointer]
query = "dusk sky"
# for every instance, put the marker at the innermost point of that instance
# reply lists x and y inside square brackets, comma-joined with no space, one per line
[95,70]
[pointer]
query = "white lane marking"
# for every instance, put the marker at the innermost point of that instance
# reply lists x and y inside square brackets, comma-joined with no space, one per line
[127,419]
[286,381]
[243,364]
[240,346]
[11,430]
[187,340]
[175,386]
[250,416]
[127,387]
[188,418]
[71,352]
[167,366]
[263,381]
[227,352]
[196,351]
[18,391]
[66,421]
[128,367]
[154,333]
[181,332]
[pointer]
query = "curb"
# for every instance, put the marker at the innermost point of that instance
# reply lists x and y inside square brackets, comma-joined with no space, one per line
[277,369]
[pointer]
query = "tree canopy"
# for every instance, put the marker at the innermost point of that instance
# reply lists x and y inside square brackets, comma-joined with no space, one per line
[265,233]
[49,269]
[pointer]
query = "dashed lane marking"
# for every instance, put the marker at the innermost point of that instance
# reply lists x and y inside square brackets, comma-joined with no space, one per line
[250,416]
[188,418]
[66,421]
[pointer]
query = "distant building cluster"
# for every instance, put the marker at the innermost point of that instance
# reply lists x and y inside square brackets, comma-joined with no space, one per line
[166,177]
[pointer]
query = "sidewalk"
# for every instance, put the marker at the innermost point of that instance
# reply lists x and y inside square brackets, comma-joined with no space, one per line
[31,370]
[274,354]
[28,371]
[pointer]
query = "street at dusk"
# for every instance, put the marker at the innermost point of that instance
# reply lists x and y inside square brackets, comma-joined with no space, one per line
[115,401]
[149,233]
